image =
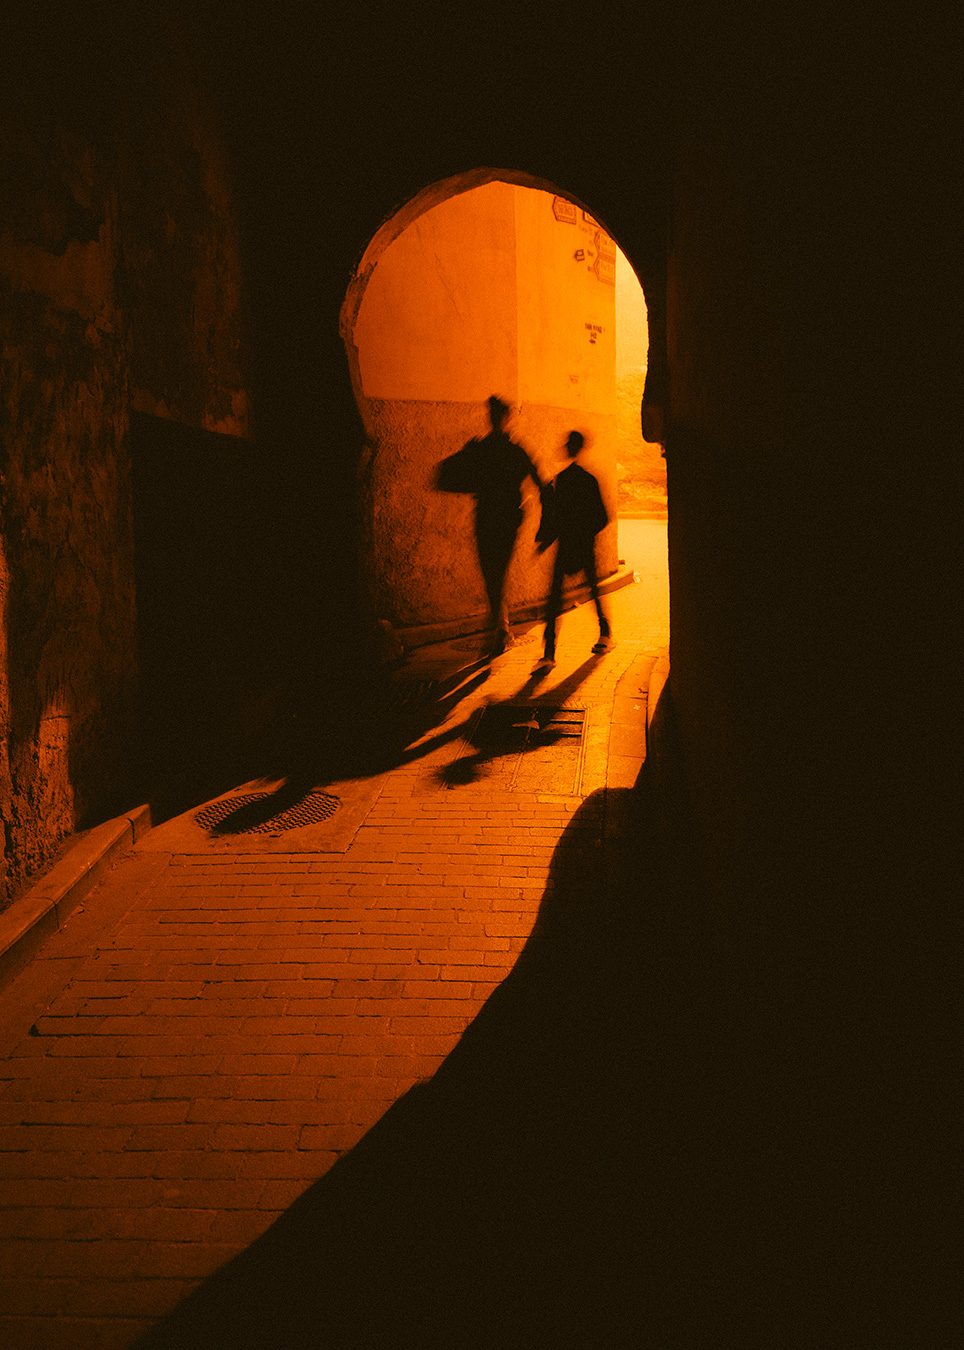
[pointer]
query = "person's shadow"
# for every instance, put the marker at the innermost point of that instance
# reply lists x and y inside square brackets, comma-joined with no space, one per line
[322,736]
[500,1204]
[359,741]
[523,730]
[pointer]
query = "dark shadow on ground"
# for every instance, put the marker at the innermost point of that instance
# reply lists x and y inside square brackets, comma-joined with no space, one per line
[344,731]
[315,731]
[514,734]
[503,1203]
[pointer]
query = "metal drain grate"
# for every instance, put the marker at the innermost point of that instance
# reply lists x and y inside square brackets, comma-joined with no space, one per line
[311,810]
[529,723]
[532,747]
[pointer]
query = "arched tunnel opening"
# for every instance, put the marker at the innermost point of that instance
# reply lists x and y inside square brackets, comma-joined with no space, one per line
[486,285]
[489,283]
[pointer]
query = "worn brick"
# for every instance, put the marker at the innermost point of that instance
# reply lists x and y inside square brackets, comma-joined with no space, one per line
[433,989]
[114,1164]
[64,1138]
[464,972]
[40,1191]
[278,1195]
[227,988]
[125,1298]
[266,1088]
[214,1193]
[157,1224]
[192,1260]
[30,1164]
[443,1025]
[106,1192]
[288,1024]
[253,1136]
[209,1111]
[280,1165]
[71,1259]
[242,1066]
[343,1086]
[189,1165]
[258,1015]
[321,1111]
[335,1138]
[26,1296]
[168,1136]
[240,1227]
[410,1066]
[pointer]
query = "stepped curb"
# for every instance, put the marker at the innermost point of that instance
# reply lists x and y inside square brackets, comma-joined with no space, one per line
[426,635]
[51,900]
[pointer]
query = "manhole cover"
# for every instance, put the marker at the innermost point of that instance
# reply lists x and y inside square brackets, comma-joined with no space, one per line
[244,814]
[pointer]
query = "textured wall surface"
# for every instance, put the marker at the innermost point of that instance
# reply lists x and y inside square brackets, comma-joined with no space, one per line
[182,261]
[69,665]
[641,467]
[120,275]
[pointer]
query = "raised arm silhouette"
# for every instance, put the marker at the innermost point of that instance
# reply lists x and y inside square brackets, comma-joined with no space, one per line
[493,468]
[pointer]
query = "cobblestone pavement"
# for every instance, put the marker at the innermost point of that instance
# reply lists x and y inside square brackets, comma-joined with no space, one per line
[218,1026]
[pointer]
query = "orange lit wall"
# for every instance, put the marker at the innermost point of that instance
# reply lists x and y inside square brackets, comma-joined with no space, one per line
[642,468]
[502,289]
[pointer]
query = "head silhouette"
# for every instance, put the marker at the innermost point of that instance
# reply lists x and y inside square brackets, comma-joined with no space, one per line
[498,412]
[574,443]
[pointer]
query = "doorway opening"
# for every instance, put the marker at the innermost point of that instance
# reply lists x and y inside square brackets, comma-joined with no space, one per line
[494,283]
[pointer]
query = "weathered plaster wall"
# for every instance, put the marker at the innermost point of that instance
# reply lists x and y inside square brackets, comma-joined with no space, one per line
[121,284]
[181,253]
[565,301]
[641,467]
[69,662]
[501,289]
[438,322]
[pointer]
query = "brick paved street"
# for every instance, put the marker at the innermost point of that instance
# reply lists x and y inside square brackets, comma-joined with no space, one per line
[218,1026]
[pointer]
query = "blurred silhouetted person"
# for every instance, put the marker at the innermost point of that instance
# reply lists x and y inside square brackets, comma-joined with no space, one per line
[494,469]
[576,517]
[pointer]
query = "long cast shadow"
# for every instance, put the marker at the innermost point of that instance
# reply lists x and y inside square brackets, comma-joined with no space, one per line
[351,733]
[508,739]
[501,1203]
[320,733]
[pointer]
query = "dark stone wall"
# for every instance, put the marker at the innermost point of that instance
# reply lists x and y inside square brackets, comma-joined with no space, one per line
[207,649]
[69,668]
[802,978]
[121,286]
[181,255]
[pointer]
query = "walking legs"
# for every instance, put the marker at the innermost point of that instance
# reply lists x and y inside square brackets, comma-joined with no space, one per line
[566,564]
[553,606]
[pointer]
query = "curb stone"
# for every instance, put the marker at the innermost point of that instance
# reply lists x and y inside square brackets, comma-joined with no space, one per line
[427,635]
[52,899]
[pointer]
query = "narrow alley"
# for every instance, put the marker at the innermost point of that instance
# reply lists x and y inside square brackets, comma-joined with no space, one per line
[230,1015]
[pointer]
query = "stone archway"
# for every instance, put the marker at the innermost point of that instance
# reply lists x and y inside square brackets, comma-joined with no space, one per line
[490,282]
